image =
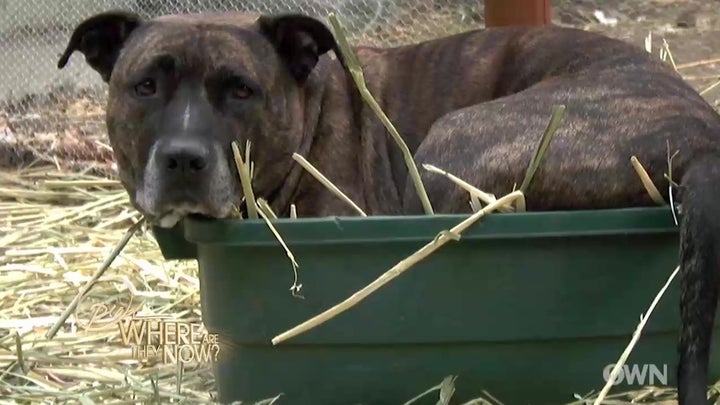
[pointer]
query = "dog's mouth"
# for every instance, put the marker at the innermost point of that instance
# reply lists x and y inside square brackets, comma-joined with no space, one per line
[172,216]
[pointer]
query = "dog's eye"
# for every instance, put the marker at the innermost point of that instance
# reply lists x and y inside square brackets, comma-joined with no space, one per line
[145,88]
[240,91]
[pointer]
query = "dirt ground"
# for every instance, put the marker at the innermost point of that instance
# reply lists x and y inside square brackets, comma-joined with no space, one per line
[690,27]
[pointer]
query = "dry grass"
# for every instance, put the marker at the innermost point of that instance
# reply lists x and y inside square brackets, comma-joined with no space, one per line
[355,70]
[58,228]
[647,395]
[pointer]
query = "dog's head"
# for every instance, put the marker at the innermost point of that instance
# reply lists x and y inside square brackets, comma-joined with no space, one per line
[183,88]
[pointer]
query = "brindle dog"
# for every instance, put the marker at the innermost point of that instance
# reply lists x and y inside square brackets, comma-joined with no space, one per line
[182,87]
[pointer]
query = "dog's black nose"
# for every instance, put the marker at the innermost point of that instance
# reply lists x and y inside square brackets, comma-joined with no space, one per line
[183,156]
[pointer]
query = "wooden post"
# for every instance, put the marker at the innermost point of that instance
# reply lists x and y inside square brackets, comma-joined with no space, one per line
[500,13]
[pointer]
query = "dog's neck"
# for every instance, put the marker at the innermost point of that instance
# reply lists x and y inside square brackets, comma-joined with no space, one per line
[329,141]
[345,140]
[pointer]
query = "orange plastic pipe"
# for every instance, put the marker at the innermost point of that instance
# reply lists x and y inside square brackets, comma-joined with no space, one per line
[500,13]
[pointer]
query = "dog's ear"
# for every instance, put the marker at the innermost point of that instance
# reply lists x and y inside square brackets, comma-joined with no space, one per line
[100,38]
[300,40]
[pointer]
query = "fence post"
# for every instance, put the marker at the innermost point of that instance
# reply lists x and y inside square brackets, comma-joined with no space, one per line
[517,12]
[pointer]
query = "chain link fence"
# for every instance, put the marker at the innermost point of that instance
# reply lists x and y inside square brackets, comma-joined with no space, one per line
[58,115]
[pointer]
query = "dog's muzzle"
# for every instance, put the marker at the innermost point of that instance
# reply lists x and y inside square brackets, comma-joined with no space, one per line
[185,175]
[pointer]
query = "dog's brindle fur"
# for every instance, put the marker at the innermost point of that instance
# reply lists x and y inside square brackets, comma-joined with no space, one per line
[474,104]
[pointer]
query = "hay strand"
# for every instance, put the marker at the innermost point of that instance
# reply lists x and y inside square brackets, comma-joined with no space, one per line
[266,207]
[265,213]
[446,389]
[666,53]
[475,204]
[395,271]
[710,88]
[647,182]
[358,77]
[636,336]
[698,63]
[246,182]
[475,193]
[671,183]
[552,126]
[326,182]
[88,286]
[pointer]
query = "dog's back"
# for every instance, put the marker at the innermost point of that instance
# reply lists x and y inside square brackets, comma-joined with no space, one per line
[621,102]
[476,104]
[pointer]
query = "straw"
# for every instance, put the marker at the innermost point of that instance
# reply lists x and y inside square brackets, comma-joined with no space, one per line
[552,126]
[103,268]
[474,192]
[327,183]
[57,254]
[636,336]
[358,77]
[665,51]
[446,389]
[395,271]
[265,213]
[698,63]
[710,88]
[245,181]
[647,182]
[671,183]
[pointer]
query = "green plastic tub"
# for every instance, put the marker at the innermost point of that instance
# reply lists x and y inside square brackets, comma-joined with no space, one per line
[529,307]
